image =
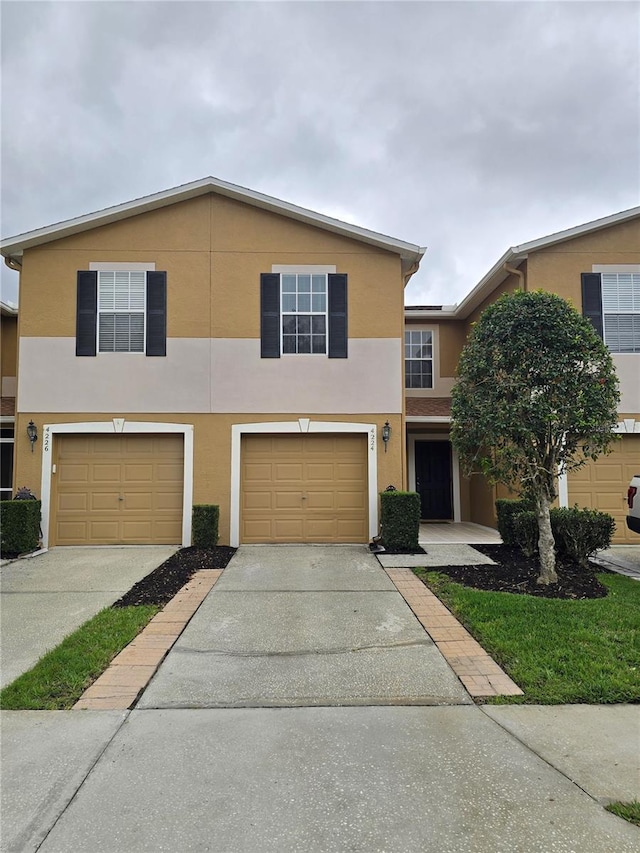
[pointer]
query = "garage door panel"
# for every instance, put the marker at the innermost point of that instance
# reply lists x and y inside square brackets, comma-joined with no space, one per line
[350,500]
[287,500]
[257,500]
[320,500]
[105,473]
[351,529]
[139,501]
[104,501]
[74,473]
[108,531]
[117,489]
[297,488]
[169,473]
[287,472]
[320,472]
[75,502]
[288,529]
[137,473]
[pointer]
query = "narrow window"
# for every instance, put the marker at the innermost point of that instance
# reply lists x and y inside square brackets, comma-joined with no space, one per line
[418,359]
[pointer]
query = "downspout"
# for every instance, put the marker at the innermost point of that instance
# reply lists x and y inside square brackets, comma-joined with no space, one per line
[519,273]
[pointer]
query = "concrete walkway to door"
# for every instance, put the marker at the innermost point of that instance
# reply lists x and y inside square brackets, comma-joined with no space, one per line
[289,626]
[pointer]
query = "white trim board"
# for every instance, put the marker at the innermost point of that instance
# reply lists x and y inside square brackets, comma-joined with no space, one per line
[115,426]
[302,425]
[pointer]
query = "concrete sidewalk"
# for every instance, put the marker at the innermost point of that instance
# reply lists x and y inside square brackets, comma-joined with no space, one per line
[46,597]
[368,779]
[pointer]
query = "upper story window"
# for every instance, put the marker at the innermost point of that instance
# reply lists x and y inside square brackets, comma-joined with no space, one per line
[304,313]
[621,311]
[418,359]
[121,311]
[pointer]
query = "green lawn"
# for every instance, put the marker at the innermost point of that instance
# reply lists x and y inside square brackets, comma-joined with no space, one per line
[557,651]
[62,675]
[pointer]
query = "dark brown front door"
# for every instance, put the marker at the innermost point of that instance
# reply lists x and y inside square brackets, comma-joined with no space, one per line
[433,479]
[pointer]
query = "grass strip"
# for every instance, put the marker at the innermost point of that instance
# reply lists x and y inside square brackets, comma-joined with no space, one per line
[62,675]
[557,651]
[627,811]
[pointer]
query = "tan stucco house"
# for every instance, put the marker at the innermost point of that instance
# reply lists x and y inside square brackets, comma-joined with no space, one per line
[597,267]
[210,344]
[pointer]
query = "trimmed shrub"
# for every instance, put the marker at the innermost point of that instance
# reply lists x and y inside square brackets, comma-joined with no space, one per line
[19,527]
[507,510]
[400,520]
[205,518]
[579,533]
[524,526]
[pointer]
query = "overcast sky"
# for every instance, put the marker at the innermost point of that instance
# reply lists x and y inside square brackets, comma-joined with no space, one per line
[467,127]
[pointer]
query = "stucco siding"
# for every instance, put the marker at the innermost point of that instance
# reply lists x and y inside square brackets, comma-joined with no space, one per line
[204,375]
[367,381]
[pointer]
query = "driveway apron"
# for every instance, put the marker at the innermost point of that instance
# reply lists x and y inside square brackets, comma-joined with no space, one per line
[290,626]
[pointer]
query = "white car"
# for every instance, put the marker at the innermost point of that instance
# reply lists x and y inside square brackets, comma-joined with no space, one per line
[633,499]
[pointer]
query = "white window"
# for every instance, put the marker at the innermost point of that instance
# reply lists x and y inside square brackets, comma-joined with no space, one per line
[418,359]
[121,311]
[6,461]
[304,313]
[621,310]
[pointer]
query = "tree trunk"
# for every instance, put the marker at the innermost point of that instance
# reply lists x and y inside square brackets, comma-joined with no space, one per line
[546,544]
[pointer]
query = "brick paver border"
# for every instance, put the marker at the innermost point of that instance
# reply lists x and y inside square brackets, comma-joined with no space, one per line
[479,673]
[129,673]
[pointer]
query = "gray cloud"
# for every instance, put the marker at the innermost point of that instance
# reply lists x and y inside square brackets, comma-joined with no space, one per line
[467,127]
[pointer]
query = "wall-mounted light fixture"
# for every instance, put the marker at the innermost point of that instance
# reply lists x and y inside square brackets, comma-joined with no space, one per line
[32,432]
[386,434]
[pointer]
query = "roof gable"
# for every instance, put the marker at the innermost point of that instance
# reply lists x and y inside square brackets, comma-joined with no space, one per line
[13,247]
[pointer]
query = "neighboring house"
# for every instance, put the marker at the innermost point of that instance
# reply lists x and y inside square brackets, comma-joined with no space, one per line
[597,267]
[8,372]
[210,344]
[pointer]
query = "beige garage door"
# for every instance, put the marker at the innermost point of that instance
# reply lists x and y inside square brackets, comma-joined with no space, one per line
[304,488]
[603,485]
[118,489]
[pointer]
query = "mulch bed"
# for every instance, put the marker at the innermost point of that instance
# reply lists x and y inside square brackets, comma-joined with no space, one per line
[516,573]
[163,583]
[513,572]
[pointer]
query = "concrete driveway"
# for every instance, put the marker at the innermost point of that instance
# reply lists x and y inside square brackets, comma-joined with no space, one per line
[46,597]
[303,625]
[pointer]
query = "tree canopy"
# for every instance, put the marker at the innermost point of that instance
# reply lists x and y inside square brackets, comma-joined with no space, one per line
[536,395]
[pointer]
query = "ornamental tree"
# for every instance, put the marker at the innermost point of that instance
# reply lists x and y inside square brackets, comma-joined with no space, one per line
[536,396]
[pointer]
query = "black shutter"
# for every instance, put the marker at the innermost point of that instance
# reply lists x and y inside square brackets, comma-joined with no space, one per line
[592,299]
[156,343]
[337,315]
[269,315]
[86,312]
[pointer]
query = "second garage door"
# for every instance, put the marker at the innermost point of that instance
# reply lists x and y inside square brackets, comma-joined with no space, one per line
[118,489]
[304,488]
[603,485]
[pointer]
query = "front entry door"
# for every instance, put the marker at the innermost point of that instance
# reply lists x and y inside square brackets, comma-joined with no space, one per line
[433,479]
